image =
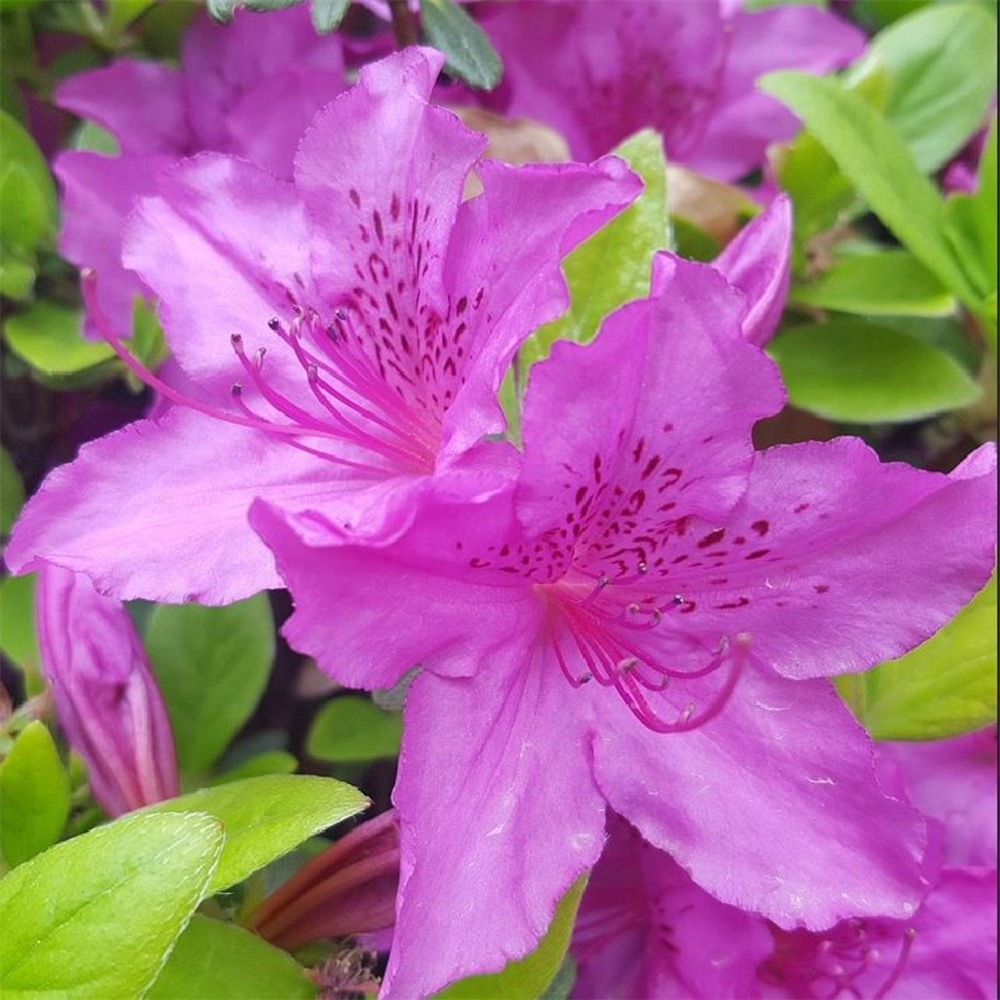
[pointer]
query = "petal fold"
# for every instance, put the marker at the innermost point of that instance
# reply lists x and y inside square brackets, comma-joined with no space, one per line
[499,815]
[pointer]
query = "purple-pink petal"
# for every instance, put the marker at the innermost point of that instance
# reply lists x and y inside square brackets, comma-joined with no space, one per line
[499,815]
[757,262]
[772,806]
[140,103]
[660,407]
[98,193]
[745,121]
[159,510]
[105,697]
[834,561]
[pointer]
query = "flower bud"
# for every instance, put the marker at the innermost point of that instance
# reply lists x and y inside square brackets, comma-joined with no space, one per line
[349,889]
[105,696]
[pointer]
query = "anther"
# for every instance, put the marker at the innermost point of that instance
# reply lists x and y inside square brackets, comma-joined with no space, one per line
[677,599]
[274,323]
[236,389]
[585,678]
[629,663]
[643,568]
[236,340]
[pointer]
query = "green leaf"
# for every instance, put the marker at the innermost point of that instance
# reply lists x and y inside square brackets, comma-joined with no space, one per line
[17,637]
[34,796]
[17,276]
[693,243]
[217,961]
[20,151]
[327,14]
[528,978]
[612,267]
[563,981]
[266,817]
[857,372]
[221,11]
[24,213]
[470,56]
[211,665]
[122,13]
[47,336]
[269,762]
[351,730]
[971,222]
[946,686]
[942,69]
[91,138]
[882,12]
[889,282]
[93,918]
[11,492]
[872,156]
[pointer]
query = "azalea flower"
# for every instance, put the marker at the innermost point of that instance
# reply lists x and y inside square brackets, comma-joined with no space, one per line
[598,72]
[106,699]
[249,89]
[955,781]
[387,308]
[642,620]
[645,929]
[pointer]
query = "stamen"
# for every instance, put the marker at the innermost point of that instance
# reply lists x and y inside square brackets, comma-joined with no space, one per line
[897,970]
[409,451]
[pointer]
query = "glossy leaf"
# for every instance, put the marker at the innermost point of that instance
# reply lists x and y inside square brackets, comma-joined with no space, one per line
[17,612]
[217,961]
[946,686]
[857,372]
[269,762]
[873,157]
[34,796]
[47,336]
[266,817]
[211,665]
[529,977]
[327,14]
[11,492]
[971,222]
[890,282]
[122,13]
[470,56]
[352,730]
[25,220]
[20,151]
[612,267]
[221,11]
[942,68]
[94,917]
[17,275]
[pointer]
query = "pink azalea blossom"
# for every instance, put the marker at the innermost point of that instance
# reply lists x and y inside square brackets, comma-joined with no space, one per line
[643,620]
[249,88]
[387,306]
[598,72]
[646,930]
[105,696]
[954,781]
